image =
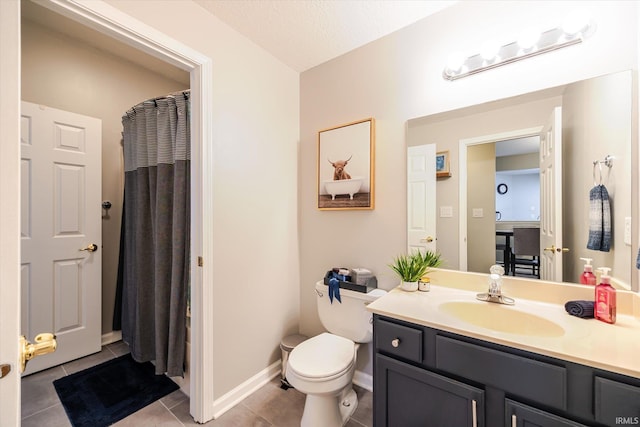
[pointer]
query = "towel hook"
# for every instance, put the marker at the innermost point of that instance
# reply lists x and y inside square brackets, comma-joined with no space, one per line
[608,162]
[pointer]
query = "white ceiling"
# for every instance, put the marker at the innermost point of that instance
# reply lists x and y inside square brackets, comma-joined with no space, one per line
[300,33]
[306,33]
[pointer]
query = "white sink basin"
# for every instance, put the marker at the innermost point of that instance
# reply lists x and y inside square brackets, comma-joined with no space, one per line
[501,318]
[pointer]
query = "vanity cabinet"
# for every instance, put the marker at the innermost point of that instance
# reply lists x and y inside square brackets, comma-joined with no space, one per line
[519,415]
[428,377]
[413,395]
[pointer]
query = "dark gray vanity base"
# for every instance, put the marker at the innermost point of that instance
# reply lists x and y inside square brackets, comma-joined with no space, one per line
[435,378]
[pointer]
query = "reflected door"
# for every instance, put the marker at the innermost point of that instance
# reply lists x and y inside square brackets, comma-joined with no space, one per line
[61,279]
[421,198]
[551,198]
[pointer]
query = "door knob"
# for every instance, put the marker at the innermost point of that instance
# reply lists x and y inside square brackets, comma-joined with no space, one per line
[91,248]
[554,249]
[43,344]
[429,239]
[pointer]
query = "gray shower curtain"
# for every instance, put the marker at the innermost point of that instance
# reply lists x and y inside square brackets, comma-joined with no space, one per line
[155,239]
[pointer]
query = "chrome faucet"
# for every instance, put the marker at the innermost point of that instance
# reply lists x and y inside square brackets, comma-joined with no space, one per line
[494,294]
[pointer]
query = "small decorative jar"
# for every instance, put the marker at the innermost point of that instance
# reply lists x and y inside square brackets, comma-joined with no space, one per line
[424,284]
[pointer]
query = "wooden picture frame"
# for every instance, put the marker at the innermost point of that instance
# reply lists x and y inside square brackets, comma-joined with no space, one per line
[443,166]
[345,178]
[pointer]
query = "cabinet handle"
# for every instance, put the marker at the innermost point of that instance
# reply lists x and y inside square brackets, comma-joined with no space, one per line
[395,342]
[474,413]
[514,421]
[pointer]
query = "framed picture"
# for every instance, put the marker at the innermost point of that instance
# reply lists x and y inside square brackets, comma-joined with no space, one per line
[443,169]
[345,166]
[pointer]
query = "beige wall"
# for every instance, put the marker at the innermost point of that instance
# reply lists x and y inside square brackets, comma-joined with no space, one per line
[398,78]
[520,161]
[596,123]
[64,73]
[481,184]
[255,114]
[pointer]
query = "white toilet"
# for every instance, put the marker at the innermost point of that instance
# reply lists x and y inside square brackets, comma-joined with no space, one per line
[322,367]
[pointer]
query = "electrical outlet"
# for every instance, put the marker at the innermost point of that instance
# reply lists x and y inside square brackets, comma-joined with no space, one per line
[477,212]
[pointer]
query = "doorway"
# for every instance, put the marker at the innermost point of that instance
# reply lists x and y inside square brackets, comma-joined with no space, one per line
[118,25]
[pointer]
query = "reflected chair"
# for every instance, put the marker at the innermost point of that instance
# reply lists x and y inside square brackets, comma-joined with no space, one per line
[526,250]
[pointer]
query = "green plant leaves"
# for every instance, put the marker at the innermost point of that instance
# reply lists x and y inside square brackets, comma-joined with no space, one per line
[412,267]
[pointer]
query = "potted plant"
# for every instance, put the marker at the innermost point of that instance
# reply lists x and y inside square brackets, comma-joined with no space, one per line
[412,267]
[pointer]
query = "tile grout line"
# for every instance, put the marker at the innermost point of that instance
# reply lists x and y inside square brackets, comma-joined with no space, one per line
[42,410]
[170,411]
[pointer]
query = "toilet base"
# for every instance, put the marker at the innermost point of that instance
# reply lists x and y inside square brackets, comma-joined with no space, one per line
[329,410]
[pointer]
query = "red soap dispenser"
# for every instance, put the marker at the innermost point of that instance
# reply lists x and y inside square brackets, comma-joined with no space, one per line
[605,298]
[587,277]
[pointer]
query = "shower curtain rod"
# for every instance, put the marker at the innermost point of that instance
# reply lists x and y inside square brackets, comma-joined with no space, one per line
[131,111]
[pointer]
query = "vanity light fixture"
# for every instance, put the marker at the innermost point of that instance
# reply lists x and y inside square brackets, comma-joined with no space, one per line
[577,27]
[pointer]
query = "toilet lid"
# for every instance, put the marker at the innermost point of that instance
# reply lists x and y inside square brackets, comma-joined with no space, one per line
[324,355]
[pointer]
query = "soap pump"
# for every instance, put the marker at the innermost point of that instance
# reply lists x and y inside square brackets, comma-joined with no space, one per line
[605,298]
[587,277]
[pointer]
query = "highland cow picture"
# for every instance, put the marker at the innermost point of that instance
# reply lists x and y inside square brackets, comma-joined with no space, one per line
[345,166]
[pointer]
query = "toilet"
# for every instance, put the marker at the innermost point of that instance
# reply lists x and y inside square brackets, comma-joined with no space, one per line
[322,367]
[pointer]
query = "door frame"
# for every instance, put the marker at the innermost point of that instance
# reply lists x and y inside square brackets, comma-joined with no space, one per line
[463,145]
[122,27]
[10,218]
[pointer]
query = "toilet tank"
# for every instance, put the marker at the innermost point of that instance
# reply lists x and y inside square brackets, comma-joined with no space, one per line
[349,319]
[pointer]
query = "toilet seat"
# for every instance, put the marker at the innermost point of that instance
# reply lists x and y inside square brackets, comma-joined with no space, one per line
[322,357]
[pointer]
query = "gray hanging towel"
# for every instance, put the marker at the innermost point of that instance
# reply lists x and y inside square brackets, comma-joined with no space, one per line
[599,219]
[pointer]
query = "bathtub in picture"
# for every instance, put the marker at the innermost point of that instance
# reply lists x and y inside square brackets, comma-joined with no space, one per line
[343,186]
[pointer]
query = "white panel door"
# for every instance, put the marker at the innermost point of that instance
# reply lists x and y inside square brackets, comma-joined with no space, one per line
[61,281]
[421,198]
[551,198]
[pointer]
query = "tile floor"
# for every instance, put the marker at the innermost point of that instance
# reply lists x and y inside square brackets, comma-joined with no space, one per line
[268,406]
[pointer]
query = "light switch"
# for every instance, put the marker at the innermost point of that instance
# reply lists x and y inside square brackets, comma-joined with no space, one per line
[446,211]
[477,212]
[627,230]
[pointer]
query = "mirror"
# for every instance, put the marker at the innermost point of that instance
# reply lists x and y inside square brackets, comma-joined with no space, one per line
[596,121]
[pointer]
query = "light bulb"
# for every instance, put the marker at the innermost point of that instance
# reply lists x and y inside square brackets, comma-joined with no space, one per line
[528,38]
[455,61]
[489,50]
[576,22]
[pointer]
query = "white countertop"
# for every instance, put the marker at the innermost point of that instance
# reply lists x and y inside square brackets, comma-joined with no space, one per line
[589,342]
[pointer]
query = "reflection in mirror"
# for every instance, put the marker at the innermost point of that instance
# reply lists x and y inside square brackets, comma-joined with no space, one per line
[595,117]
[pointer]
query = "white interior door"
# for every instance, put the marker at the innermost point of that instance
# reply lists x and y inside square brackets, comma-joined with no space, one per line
[421,198]
[61,279]
[551,198]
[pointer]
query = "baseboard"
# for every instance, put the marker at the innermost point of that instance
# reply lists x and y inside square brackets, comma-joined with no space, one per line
[235,396]
[364,380]
[111,337]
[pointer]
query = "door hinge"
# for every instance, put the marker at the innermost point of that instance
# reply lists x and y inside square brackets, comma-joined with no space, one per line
[4,370]
[200,261]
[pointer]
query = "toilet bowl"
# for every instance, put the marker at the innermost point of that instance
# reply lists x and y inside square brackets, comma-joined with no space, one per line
[322,367]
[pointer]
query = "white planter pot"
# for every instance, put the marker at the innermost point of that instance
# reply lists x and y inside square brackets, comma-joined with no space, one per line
[409,286]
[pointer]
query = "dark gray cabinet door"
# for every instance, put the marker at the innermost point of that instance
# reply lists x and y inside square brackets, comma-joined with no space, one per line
[519,415]
[408,396]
